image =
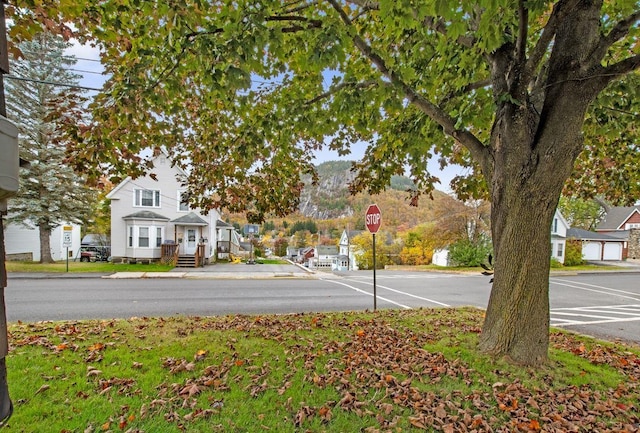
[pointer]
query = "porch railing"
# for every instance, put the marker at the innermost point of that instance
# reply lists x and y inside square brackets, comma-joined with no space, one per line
[169,253]
[200,257]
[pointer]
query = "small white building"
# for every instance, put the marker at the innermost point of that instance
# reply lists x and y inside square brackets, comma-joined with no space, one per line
[23,243]
[440,257]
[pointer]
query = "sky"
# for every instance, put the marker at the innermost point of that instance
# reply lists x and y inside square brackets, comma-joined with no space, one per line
[90,69]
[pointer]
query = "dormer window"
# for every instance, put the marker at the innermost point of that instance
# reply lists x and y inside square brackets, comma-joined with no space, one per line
[146,198]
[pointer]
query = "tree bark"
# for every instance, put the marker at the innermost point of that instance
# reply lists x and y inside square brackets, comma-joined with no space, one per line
[532,156]
[45,243]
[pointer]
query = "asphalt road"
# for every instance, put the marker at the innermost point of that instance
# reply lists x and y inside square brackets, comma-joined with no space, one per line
[602,305]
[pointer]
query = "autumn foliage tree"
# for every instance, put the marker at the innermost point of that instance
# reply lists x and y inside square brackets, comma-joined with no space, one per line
[248,90]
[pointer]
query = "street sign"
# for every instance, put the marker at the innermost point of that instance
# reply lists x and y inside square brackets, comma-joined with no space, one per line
[373,218]
[66,236]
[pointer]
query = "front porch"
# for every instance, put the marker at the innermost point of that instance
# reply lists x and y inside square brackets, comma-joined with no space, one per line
[171,254]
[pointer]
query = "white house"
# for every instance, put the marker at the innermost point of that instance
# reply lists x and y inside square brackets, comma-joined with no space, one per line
[346,259]
[22,243]
[151,217]
[559,227]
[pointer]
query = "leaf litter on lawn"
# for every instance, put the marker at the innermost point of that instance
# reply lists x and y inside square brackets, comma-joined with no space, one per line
[388,371]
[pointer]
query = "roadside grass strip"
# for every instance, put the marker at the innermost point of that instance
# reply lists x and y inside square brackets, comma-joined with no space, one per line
[385,371]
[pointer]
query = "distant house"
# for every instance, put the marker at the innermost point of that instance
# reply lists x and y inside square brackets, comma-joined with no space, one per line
[559,227]
[305,256]
[152,220]
[23,243]
[597,246]
[292,253]
[323,257]
[623,223]
[346,259]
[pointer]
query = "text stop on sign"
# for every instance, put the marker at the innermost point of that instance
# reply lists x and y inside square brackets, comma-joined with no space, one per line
[373,218]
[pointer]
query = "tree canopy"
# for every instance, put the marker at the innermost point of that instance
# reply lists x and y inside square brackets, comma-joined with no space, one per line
[247,90]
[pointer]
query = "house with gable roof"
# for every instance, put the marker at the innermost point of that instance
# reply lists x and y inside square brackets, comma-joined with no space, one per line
[151,220]
[346,258]
[623,223]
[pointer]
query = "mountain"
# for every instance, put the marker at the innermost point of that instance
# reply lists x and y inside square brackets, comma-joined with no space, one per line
[330,198]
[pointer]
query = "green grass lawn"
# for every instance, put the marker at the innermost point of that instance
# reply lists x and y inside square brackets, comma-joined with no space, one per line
[390,371]
[103,267]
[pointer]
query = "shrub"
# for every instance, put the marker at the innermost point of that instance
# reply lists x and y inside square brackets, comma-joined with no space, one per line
[467,253]
[573,254]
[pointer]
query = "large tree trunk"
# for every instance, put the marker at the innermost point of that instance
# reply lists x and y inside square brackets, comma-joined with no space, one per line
[534,143]
[45,243]
[533,155]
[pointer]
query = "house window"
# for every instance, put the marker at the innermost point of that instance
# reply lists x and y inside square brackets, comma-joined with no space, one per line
[560,250]
[146,198]
[143,236]
[183,201]
[555,226]
[632,226]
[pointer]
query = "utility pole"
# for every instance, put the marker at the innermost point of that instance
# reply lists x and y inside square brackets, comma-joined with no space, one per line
[8,187]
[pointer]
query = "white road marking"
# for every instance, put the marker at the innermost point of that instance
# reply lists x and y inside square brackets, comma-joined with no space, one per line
[603,290]
[369,294]
[406,294]
[614,313]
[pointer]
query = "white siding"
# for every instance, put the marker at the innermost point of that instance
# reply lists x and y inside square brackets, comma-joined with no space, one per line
[19,240]
[122,204]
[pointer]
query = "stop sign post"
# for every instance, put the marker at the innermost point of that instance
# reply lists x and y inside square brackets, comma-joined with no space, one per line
[373,219]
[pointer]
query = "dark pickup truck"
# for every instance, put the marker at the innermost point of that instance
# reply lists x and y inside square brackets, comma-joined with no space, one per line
[94,254]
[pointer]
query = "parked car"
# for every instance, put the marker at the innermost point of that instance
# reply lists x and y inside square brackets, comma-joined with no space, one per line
[94,253]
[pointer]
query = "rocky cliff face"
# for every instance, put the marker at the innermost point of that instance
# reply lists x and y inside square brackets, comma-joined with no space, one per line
[330,197]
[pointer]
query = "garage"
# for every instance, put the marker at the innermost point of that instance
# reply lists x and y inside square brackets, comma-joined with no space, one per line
[612,251]
[591,250]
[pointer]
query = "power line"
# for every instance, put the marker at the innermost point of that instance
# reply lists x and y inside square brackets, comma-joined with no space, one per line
[83,71]
[51,83]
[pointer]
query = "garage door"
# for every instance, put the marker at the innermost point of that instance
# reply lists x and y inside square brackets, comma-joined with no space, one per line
[591,250]
[612,251]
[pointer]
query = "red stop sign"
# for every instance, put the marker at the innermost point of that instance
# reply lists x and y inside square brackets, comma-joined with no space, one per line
[373,218]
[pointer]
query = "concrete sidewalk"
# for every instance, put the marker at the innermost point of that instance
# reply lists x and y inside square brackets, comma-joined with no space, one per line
[240,271]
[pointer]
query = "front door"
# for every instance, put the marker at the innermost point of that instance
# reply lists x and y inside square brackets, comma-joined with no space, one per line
[190,245]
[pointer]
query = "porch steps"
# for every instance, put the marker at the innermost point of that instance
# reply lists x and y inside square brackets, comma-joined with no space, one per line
[186,262]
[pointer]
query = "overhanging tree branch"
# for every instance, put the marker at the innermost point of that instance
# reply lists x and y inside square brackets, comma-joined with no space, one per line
[616,70]
[559,12]
[463,136]
[334,89]
[523,30]
[620,30]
